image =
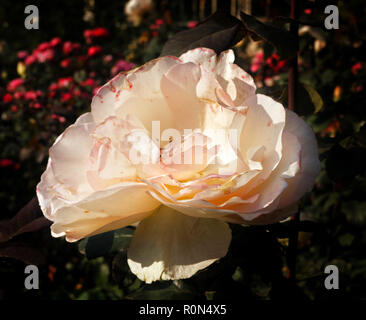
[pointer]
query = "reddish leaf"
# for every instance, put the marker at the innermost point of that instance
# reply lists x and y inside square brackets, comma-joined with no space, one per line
[26,254]
[28,219]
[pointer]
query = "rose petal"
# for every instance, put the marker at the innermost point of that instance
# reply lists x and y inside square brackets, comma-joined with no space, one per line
[70,156]
[309,160]
[169,245]
[116,207]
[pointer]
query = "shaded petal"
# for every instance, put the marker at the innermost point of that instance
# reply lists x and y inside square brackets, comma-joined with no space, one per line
[169,245]
[110,209]
[309,160]
[263,126]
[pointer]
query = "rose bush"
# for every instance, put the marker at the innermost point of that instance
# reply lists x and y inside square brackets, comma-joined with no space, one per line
[254,173]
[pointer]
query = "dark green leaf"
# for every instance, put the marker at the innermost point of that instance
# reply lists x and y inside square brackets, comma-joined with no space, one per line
[219,32]
[308,100]
[283,41]
[107,242]
[354,211]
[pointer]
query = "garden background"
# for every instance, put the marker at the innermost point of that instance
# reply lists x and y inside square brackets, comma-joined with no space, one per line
[47,79]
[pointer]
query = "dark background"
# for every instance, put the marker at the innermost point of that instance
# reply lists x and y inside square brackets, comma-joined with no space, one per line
[257,264]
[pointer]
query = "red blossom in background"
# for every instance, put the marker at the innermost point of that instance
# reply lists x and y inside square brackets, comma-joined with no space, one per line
[65,82]
[14,108]
[356,67]
[66,63]
[275,63]
[308,11]
[89,35]
[257,61]
[69,47]
[122,65]
[66,96]
[22,55]
[55,42]
[5,163]
[7,98]
[192,24]
[30,60]
[61,119]
[14,84]
[89,82]
[46,55]
[18,95]
[94,50]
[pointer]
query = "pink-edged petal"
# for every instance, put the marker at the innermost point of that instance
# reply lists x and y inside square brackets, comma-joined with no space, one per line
[70,154]
[238,84]
[147,105]
[103,103]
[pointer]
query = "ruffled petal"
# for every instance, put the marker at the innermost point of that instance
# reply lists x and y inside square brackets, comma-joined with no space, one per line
[70,155]
[104,210]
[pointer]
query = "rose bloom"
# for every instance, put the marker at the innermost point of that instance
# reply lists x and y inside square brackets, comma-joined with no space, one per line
[14,84]
[94,50]
[7,98]
[254,174]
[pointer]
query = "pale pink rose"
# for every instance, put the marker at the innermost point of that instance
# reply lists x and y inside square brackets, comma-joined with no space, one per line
[121,164]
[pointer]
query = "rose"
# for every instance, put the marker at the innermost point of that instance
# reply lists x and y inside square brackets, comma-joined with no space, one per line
[93,182]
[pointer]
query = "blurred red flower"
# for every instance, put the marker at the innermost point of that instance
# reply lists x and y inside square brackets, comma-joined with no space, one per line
[30,95]
[14,108]
[55,42]
[7,98]
[257,61]
[191,24]
[30,60]
[94,50]
[22,54]
[14,84]
[66,63]
[121,65]
[64,82]
[356,67]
